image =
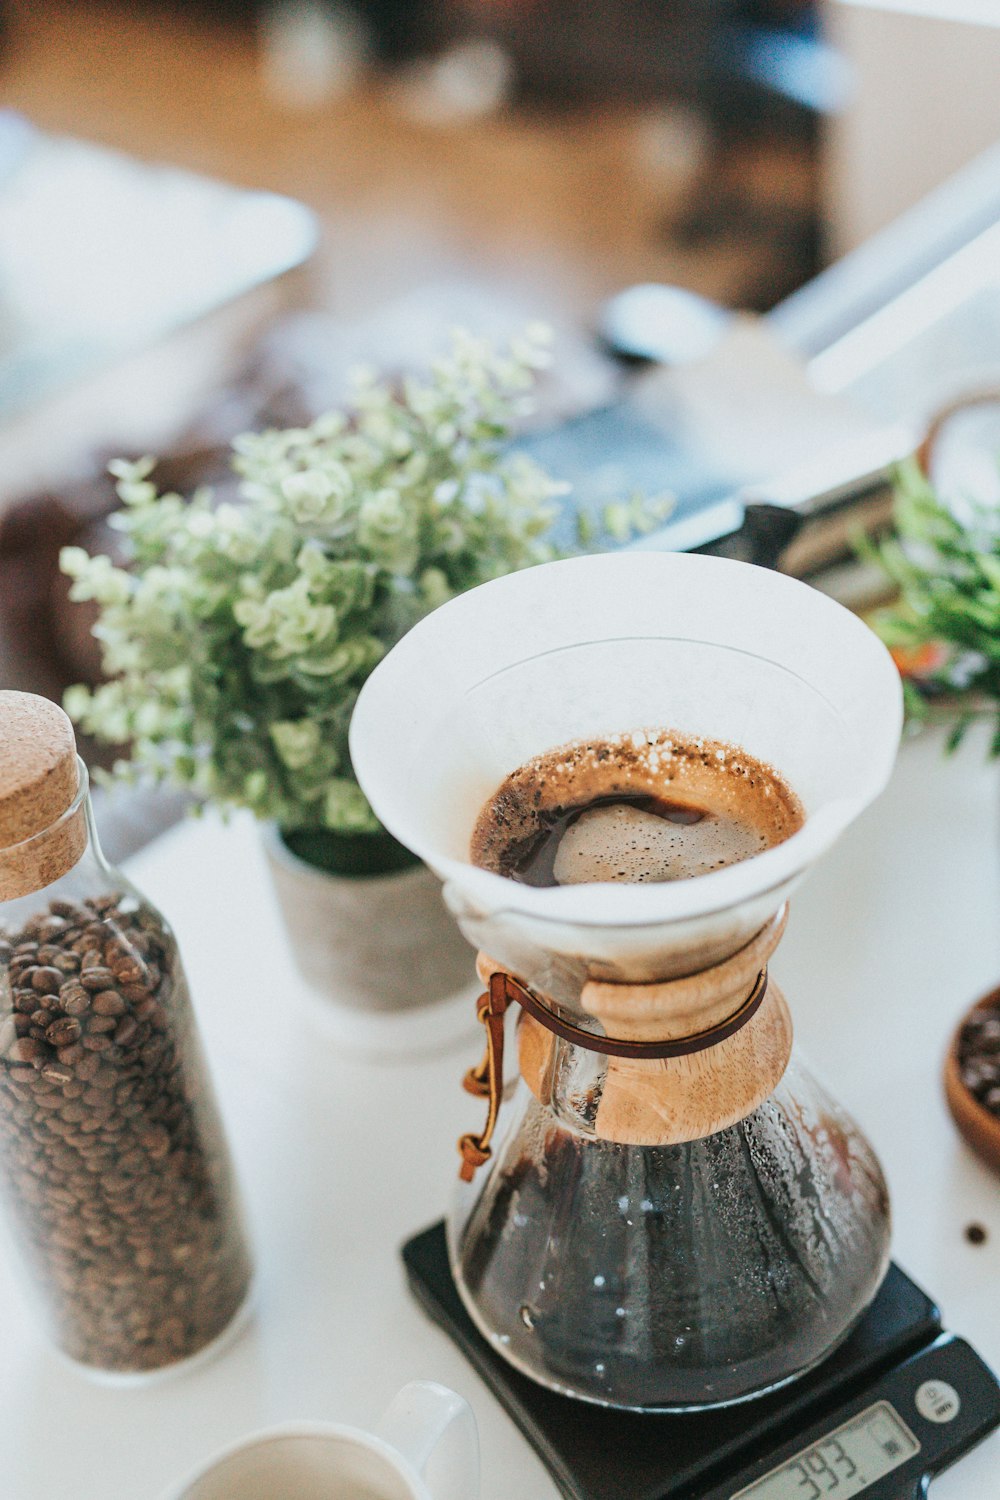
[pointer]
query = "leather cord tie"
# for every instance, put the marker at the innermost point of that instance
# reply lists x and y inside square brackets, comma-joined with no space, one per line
[486,1080]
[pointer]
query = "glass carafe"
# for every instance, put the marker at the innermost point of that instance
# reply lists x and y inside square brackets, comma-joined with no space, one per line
[665,1211]
[614,1254]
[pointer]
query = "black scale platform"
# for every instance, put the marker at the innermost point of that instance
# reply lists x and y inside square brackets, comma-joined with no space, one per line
[595,1453]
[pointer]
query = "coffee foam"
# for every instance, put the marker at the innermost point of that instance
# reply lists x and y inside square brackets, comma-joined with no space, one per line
[623,843]
[748,807]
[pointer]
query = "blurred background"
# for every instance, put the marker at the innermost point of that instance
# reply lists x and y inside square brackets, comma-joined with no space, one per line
[210,210]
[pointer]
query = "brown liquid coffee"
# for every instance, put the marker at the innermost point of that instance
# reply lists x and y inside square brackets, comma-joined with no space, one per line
[635,808]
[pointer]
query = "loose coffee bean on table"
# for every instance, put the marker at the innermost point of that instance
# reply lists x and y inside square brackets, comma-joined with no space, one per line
[979,1055]
[110,1145]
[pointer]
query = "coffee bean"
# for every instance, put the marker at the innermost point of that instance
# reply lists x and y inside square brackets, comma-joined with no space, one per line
[47,980]
[70,911]
[95,1042]
[75,999]
[64,1032]
[129,971]
[96,978]
[28,1050]
[48,1101]
[48,928]
[109,1003]
[126,1030]
[156,1142]
[57,1072]
[151,1012]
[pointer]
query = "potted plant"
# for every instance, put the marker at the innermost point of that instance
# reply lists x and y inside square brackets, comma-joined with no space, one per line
[945,629]
[236,638]
[945,635]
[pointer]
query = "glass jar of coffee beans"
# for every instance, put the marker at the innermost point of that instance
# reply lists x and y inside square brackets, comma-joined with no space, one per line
[113,1166]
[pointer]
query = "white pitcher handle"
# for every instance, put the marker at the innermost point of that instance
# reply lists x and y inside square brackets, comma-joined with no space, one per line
[416,1420]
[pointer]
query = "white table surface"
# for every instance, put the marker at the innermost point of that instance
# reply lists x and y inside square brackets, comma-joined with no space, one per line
[342,1159]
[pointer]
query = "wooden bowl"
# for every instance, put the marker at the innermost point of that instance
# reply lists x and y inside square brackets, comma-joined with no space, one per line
[980,1128]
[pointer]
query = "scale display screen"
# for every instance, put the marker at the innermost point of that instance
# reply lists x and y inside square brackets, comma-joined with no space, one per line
[844,1463]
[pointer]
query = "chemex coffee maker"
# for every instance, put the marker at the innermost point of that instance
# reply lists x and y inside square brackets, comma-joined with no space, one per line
[665,1211]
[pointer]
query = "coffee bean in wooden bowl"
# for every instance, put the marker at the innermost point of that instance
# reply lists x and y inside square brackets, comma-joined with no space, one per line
[972,1077]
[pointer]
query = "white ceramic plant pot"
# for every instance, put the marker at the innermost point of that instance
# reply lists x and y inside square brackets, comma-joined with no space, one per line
[381,954]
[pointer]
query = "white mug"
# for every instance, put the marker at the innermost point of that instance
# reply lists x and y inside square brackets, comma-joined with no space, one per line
[323,1461]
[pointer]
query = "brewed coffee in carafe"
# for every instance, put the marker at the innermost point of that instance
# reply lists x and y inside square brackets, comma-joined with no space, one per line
[679,1276]
[621,767]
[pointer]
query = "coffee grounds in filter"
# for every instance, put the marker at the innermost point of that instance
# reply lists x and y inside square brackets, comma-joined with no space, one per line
[641,807]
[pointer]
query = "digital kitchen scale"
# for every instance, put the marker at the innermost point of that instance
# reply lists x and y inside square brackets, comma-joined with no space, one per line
[896,1404]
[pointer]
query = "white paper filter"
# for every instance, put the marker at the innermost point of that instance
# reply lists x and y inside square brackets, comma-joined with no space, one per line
[595,646]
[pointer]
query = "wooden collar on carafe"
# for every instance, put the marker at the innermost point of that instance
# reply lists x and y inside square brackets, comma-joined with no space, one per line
[664,1101]
[43,827]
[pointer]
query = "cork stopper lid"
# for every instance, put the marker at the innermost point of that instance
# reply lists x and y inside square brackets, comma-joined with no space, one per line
[39,781]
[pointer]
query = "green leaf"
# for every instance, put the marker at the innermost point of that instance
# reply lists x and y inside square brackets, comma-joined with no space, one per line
[236,624]
[958,732]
